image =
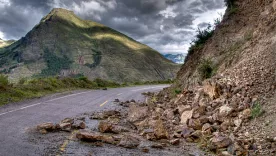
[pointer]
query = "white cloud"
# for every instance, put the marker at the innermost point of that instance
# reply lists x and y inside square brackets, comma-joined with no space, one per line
[2,35]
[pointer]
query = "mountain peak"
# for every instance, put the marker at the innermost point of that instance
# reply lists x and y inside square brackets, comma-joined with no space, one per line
[61,10]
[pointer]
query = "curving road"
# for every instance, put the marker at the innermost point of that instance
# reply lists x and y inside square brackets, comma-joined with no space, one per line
[15,119]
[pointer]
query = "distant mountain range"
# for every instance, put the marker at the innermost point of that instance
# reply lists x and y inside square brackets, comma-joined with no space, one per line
[176,58]
[4,43]
[64,44]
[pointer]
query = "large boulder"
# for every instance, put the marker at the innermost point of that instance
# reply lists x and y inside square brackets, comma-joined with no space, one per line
[159,129]
[45,127]
[186,115]
[212,89]
[85,135]
[137,113]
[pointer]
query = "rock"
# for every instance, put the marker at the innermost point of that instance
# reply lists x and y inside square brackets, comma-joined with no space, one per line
[160,131]
[79,125]
[105,127]
[43,131]
[132,100]
[129,142]
[65,126]
[116,100]
[186,115]
[211,89]
[245,114]
[95,136]
[175,141]
[168,113]
[225,110]
[145,150]
[67,120]
[206,127]
[137,113]
[187,132]
[197,134]
[46,126]
[158,146]
[105,114]
[220,141]
[195,124]
[183,108]
[274,139]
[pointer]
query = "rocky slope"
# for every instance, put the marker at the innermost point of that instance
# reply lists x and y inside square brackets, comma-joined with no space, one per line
[232,112]
[63,44]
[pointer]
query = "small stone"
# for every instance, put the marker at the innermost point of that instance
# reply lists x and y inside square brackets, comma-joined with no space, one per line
[145,150]
[43,131]
[67,120]
[225,110]
[116,100]
[175,141]
[158,146]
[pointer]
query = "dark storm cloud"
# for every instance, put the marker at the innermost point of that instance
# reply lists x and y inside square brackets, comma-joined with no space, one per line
[166,25]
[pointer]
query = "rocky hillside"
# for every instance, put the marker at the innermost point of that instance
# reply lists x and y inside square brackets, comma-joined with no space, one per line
[63,44]
[224,96]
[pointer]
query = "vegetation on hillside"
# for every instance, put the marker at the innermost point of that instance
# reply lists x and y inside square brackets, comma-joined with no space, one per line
[201,38]
[206,69]
[37,87]
[41,86]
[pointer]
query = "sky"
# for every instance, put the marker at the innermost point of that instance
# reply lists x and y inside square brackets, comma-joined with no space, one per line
[168,26]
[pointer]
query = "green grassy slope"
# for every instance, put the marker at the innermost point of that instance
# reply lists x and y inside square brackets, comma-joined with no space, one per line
[63,44]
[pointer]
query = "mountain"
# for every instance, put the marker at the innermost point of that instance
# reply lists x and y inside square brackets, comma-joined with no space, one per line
[63,44]
[4,43]
[176,58]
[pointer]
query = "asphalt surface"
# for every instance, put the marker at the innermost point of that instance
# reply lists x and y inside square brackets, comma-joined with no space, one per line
[16,119]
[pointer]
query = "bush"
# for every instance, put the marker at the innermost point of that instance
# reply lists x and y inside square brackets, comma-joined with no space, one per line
[256,110]
[4,81]
[206,69]
[201,38]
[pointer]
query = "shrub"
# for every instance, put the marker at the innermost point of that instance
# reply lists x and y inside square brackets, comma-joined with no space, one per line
[256,110]
[4,81]
[201,38]
[177,91]
[206,69]
[22,81]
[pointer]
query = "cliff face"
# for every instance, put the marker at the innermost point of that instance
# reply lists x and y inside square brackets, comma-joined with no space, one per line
[63,44]
[243,47]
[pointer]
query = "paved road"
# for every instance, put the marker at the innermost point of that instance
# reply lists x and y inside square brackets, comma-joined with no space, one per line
[15,119]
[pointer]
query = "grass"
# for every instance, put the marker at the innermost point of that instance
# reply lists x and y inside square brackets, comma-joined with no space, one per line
[42,86]
[38,87]
[256,110]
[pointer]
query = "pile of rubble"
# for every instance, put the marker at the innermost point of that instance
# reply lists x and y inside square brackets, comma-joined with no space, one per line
[215,115]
